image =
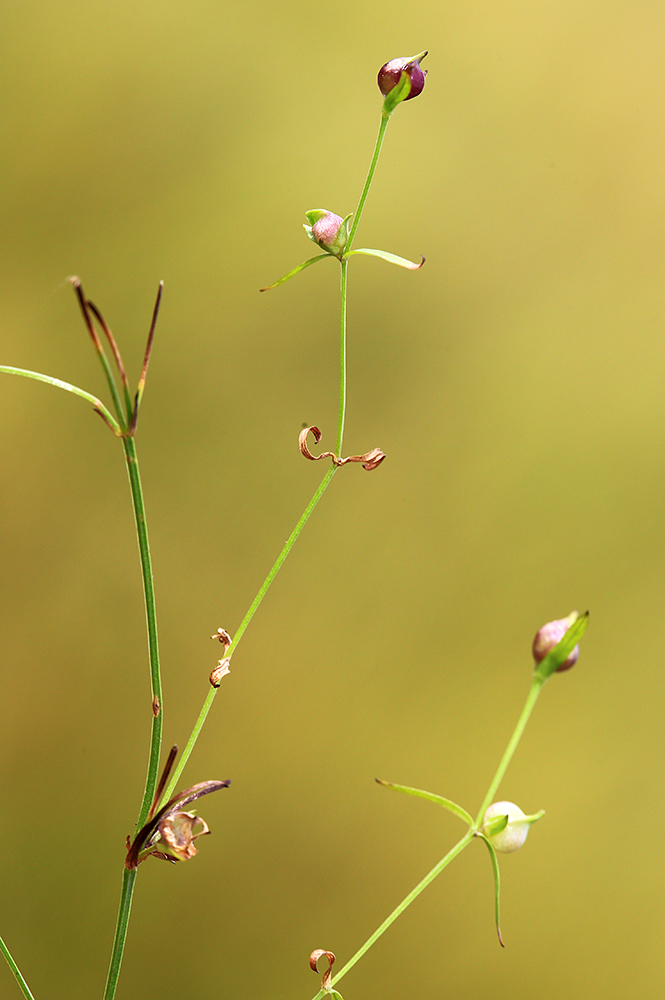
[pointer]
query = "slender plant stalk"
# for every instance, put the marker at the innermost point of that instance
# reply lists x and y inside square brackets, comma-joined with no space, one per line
[342,356]
[122,924]
[460,845]
[191,742]
[25,989]
[368,183]
[532,697]
[438,868]
[129,877]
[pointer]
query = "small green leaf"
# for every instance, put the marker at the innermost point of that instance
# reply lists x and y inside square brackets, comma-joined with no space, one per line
[438,799]
[296,270]
[390,257]
[497,887]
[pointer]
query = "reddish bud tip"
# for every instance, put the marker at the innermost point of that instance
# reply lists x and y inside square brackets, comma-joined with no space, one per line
[391,73]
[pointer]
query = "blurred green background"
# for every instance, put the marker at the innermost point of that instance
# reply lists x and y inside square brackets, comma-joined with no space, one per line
[516,385]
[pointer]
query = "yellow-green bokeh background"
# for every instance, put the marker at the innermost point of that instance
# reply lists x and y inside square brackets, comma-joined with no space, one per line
[516,384]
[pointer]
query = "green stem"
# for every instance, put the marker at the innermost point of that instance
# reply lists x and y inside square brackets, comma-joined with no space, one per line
[342,358]
[128,882]
[466,839]
[368,183]
[25,989]
[512,746]
[129,877]
[210,697]
[151,622]
[438,868]
[191,742]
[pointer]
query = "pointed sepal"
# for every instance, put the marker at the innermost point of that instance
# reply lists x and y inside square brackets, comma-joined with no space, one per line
[497,889]
[553,653]
[431,797]
[391,258]
[296,270]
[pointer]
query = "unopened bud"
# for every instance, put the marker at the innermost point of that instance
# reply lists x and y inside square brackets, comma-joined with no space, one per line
[391,74]
[506,827]
[550,635]
[327,230]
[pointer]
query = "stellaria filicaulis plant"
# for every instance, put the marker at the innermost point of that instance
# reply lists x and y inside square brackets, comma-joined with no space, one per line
[166,828]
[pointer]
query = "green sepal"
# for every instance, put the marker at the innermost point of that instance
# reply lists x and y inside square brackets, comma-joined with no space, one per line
[496,825]
[438,799]
[497,887]
[296,270]
[390,257]
[398,94]
[551,663]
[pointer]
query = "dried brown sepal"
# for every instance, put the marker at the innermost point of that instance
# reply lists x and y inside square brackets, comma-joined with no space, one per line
[161,784]
[221,670]
[111,341]
[159,829]
[370,460]
[223,636]
[304,450]
[327,975]
[146,362]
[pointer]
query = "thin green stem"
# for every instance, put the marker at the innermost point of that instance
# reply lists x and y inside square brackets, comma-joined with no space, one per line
[438,868]
[210,697]
[129,877]
[368,183]
[151,622]
[342,357]
[25,989]
[191,742]
[124,910]
[512,746]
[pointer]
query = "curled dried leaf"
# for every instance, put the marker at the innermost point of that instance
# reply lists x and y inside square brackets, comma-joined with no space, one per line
[302,444]
[223,637]
[327,975]
[370,460]
[221,670]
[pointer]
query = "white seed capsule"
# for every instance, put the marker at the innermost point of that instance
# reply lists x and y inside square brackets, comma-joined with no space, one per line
[514,834]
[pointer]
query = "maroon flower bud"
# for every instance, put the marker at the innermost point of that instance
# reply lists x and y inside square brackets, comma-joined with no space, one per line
[550,635]
[391,74]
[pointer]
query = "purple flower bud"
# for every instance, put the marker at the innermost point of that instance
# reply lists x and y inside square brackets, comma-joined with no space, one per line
[391,73]
[550,635]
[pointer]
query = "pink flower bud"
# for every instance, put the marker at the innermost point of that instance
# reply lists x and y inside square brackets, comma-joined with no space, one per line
[550,635]
[327,230]
[391,73]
